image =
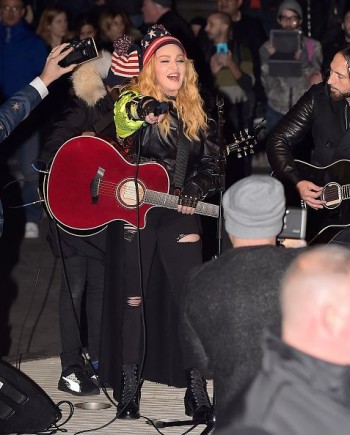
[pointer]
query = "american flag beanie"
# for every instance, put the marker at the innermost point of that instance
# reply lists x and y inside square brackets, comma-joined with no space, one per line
[157,36]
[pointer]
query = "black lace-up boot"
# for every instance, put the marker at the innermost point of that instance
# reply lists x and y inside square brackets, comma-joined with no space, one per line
[129,404]
[197,403]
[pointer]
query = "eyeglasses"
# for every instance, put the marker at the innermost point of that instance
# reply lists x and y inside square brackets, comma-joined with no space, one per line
[285,19]
[12,8]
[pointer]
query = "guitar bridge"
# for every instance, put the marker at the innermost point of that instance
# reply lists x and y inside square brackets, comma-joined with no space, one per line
[95,185]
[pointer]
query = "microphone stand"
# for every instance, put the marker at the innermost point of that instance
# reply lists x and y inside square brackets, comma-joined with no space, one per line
[209,421]
[222,168]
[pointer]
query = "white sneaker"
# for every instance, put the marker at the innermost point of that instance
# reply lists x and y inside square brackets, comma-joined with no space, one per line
[31,230]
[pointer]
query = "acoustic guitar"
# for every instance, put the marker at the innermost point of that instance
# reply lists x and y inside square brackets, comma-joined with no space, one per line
[323,225]
[90,184]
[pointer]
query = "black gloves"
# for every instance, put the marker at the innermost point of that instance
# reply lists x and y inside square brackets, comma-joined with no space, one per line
[190,194]
[146,106]
[141,106]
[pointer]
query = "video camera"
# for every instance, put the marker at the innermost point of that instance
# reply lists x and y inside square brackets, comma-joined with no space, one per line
[294,224]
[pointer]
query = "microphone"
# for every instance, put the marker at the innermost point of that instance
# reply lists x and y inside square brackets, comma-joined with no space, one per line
[161,108]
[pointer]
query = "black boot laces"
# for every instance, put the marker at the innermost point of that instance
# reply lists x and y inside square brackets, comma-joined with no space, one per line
[199,391]
[130,384]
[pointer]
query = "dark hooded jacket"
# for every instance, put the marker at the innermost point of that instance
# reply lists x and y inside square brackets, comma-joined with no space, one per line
[296,394]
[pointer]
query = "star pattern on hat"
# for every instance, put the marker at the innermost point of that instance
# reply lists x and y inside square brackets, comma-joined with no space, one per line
[154,32]
[16,106]
[151,34]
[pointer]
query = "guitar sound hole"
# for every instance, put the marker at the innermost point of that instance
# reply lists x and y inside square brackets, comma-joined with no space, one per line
[126,193]
[332,195]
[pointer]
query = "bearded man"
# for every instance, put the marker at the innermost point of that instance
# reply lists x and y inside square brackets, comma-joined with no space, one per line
[322,111]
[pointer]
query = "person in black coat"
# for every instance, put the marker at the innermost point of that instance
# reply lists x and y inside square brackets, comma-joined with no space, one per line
[302,387]
[323,111]
[229,300]
[183,140]
[83,258]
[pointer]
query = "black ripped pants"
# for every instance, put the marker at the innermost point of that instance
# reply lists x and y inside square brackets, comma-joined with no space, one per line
[162,235]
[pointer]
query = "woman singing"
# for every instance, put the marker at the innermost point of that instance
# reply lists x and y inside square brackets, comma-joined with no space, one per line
[159,116]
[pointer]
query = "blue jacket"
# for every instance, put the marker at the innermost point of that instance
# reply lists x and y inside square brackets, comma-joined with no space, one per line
[16,109]
[22,57]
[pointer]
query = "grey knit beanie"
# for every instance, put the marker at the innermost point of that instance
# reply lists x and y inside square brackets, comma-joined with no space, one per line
[290,4]
[254,207]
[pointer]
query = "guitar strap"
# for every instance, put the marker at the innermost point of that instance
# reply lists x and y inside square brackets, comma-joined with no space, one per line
[183,151]
[183,148]
[107,121]
[104,123]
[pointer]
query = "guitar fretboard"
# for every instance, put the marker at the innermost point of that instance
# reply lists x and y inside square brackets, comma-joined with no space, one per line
[345,189]
[170,201]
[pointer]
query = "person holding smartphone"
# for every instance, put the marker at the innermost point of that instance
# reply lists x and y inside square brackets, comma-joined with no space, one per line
[16,109]
[231,64]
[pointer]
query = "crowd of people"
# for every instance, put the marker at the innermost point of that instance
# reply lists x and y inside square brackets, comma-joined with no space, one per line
[153,94]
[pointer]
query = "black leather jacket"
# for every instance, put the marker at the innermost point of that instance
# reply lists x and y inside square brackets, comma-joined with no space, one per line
[203,164]
[314,113]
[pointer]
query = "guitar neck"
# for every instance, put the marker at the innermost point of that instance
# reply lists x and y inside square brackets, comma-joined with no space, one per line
[160,199]
[345,191]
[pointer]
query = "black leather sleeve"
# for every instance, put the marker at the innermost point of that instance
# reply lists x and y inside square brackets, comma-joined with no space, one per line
[207,176]
[287,134]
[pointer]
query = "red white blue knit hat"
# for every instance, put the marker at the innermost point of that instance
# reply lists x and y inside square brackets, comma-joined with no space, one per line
[156,37]
[126,61]
[128,58]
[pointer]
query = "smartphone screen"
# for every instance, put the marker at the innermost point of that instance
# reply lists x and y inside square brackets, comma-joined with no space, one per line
[222,48]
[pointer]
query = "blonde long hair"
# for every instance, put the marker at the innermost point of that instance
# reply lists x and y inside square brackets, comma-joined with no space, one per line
[188,102]
[46,19]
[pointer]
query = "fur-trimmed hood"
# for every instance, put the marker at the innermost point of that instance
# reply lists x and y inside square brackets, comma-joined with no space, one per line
[88,78]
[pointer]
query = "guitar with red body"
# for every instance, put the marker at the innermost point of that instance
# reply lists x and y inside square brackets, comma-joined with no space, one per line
[90,184]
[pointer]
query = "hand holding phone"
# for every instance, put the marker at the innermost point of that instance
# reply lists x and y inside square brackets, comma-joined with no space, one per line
[83,51]
[222,48]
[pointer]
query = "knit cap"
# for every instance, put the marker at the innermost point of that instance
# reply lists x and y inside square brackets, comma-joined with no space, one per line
[290,4]
[157,36]
[126,61]
[254,207]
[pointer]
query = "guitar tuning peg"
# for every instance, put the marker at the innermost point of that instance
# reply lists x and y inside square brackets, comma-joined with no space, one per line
[251,150]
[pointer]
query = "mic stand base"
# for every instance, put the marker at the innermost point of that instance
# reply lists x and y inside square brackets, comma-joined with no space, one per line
[209,422]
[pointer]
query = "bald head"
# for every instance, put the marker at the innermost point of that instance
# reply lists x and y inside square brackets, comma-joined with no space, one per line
[315,304]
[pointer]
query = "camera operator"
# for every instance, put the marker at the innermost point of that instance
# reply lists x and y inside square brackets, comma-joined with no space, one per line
[285,88]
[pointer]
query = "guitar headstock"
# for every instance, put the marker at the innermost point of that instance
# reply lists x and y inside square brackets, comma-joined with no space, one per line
[244,142]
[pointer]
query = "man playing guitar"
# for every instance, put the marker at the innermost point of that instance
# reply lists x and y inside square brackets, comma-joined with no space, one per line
[322,111]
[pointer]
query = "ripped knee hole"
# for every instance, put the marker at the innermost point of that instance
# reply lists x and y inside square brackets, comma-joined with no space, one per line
[188,238]
[134,301]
